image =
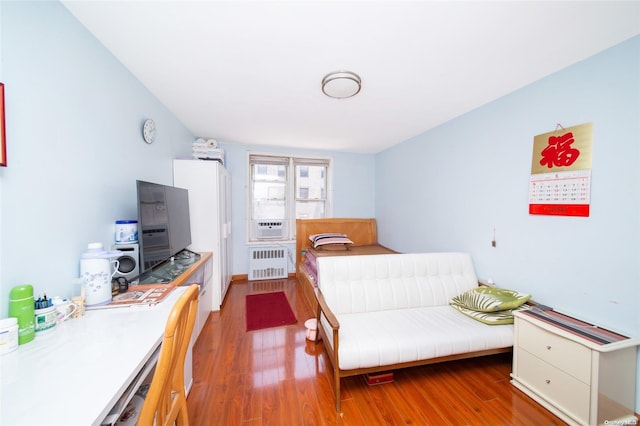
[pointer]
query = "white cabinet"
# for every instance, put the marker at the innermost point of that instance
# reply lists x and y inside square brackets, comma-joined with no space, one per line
[205,302]
[209,185]
[578,378]
[201,277]
[198,271]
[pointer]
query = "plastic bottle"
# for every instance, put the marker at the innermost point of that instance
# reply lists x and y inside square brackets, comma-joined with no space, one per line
[21,307]
[8,335]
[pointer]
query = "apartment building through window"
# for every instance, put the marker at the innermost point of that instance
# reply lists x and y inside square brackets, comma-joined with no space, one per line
[284,188]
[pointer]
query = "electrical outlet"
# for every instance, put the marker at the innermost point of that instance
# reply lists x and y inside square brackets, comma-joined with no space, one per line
[486,281]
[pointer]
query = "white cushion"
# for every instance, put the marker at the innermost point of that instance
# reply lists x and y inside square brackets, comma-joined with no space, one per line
[389,337]
[367,283]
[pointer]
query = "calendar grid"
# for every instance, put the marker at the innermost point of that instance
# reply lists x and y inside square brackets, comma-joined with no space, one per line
[560,193]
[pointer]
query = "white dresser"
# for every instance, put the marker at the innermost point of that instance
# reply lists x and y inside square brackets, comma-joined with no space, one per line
[583,374]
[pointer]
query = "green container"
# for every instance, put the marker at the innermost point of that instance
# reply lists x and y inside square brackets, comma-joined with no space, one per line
[21,306]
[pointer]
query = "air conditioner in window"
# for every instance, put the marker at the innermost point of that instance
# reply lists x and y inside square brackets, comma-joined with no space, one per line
[269,229]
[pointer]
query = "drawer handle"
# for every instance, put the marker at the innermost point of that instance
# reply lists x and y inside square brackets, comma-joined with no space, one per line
[548,347]
[547,381]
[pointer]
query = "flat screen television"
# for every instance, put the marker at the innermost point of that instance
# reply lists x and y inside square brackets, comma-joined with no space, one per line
[163,218]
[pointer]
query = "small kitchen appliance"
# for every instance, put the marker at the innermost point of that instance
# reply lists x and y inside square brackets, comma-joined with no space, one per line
[96,269]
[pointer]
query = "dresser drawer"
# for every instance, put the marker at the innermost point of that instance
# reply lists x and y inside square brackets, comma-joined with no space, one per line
[568,356]
[568,393]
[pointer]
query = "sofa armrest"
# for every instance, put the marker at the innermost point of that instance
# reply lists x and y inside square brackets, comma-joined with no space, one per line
[324,309]
[332,350]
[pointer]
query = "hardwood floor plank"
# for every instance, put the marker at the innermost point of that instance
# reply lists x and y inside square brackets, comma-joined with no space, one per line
[251,397]
[480,381]
[432,386]
[323,386]
[308,404]
[196,401]
[276,377]
[232,406]
[479,377]
[389,412]
[412,391]
[454,400]
[365,410]
[219,396]
[528,412]
[413,410]
[351,415]
[252,422]
[240,362]
[271,405]
[289,398]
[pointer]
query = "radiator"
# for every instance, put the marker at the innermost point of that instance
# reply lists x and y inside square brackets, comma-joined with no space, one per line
[267,263]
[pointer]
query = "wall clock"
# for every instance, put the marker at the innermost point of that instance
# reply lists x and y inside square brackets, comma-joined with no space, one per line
[149,131]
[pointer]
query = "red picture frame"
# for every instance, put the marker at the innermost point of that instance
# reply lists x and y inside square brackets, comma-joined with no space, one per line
[3,139]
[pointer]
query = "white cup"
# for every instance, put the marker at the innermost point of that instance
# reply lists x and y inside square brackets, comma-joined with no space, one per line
[45,320]
[79,302]
[64,308]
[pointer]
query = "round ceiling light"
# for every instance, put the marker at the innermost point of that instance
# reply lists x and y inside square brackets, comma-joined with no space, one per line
[341,84]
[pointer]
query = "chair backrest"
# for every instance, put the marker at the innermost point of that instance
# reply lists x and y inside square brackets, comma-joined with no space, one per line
[166,403]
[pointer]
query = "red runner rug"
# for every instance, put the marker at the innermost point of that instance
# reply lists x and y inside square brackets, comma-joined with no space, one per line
[268,310]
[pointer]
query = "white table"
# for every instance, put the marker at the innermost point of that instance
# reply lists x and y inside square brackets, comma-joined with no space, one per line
[75,374]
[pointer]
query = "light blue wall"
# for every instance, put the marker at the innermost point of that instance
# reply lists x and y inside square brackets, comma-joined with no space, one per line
[73,121]
[74,117]
[448,189]
[354,186]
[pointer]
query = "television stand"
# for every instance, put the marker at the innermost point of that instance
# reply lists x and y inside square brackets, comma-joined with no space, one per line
[167,271]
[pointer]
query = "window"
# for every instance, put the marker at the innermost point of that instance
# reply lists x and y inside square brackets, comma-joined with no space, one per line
[282,189]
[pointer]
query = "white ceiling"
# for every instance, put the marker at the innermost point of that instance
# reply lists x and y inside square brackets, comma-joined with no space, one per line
[250,71]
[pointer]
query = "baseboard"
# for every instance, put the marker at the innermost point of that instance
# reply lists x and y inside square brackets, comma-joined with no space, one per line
[241,277]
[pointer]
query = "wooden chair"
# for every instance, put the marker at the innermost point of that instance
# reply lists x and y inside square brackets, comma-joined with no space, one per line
[166,402]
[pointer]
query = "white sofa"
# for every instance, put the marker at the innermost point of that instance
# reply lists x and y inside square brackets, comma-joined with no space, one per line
[384,312]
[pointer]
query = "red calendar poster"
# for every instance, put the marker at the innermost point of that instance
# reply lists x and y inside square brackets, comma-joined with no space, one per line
[560,181]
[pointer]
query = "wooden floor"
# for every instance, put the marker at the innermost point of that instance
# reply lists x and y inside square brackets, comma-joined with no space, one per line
[276,377]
